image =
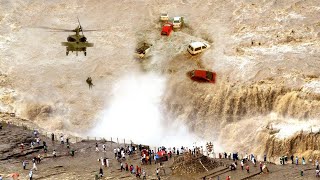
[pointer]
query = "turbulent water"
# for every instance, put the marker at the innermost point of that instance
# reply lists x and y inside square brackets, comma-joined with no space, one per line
[266,55]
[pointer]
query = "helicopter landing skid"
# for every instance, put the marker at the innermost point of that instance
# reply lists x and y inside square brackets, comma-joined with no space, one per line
[85,53]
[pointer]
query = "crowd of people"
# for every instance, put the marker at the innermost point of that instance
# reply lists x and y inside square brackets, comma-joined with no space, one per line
[37,143]
[125,155]
[247,159]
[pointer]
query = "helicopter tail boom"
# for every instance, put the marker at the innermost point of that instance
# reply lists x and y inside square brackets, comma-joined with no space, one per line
[89,44]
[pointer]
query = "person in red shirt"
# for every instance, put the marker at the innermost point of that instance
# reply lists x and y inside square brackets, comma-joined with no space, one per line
[228,178]
[138,172]
[127,167]
[247,168]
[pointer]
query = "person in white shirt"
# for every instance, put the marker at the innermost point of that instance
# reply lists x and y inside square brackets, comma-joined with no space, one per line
[242,164]
[115,152]
[38,141]
[61,139]
[34,166]
[30,174]
[102,162]
[97,147]
[54,153]
[144,174]
[123,155]
[24,164]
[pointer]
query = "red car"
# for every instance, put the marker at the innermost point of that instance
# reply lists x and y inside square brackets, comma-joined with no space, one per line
[203,76]
[166,29]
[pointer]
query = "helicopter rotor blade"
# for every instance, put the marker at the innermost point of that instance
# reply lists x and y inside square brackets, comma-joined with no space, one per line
[80,26]
[57,29]
[62,31]
[90,30]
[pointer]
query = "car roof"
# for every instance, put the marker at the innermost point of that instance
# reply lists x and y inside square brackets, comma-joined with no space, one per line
[196,44]
[166,27]
[176,18]
[168,24]
[199,72]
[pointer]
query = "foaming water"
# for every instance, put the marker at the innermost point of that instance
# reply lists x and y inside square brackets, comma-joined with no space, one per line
[288,127]
[251,135]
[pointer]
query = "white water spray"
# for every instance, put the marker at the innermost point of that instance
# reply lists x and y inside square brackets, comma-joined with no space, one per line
[134,113]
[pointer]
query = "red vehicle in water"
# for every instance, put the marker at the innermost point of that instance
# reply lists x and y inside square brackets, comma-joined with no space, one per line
[166,29]
[203,76]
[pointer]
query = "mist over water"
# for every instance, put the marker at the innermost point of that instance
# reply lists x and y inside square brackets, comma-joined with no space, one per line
[134,113]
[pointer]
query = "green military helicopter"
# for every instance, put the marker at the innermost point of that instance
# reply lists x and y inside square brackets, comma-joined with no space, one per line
[76,42]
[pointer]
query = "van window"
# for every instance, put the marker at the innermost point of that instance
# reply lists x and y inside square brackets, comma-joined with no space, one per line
[203,47]
[191,48]
[209,75]
[198,49]
[176,21]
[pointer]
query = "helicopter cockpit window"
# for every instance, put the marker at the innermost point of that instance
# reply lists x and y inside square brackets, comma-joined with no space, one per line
[83,39]
[71,39]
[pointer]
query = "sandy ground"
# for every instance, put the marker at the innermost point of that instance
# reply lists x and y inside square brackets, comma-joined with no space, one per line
[265,54]
[84,165]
